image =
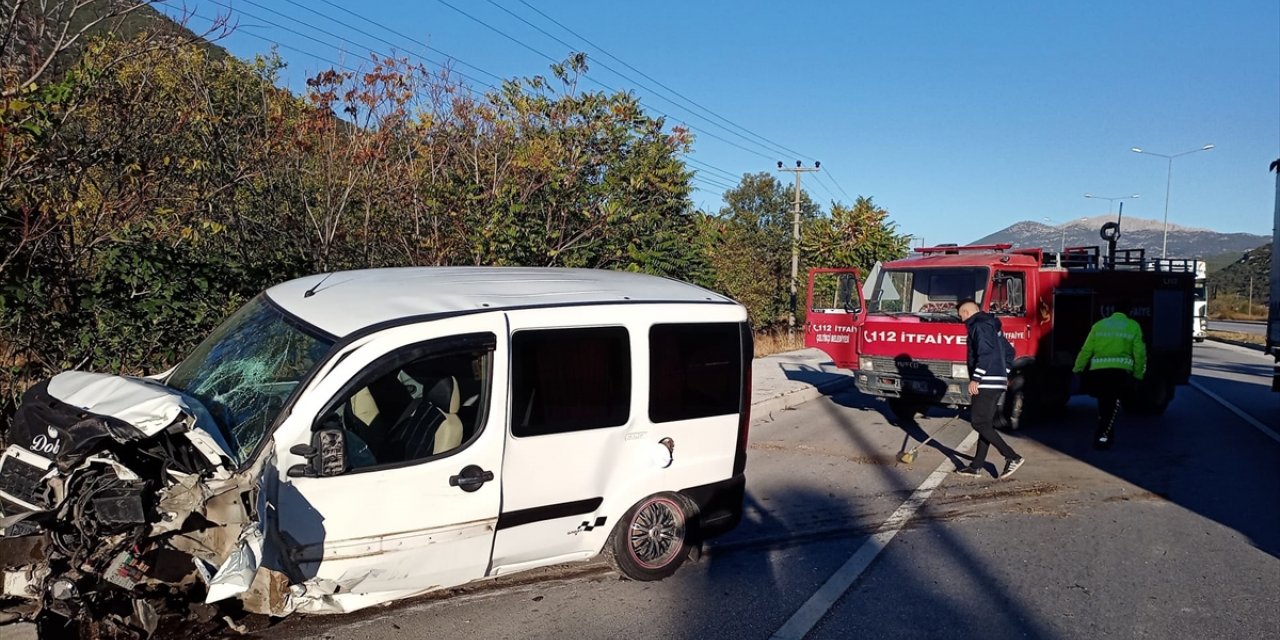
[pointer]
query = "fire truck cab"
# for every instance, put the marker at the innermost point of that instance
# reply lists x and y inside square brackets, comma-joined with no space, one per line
[901,335]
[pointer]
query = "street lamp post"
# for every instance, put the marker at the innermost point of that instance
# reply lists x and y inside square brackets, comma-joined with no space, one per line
[1062,236]
[1111,202]
[1164,245]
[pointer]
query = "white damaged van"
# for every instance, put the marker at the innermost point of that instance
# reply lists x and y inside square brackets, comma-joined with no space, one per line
[357,437]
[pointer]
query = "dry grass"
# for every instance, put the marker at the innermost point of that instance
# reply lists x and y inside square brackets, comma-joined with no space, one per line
[1233,336]
[771,342]
[1261,314]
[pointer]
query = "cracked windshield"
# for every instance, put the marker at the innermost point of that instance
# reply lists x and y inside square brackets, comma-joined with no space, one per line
[926,290]
[246,369]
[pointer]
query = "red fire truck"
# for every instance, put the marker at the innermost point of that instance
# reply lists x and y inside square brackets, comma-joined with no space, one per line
[904,341]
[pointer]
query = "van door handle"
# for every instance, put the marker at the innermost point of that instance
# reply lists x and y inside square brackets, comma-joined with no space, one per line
[470,478]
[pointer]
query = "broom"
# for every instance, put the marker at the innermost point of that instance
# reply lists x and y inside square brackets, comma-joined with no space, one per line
[908,457]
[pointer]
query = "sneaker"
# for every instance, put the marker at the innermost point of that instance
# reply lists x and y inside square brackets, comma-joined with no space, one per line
[969,471]
[1010,466]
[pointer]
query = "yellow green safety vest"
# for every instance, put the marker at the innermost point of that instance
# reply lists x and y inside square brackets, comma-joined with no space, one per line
[1114,342]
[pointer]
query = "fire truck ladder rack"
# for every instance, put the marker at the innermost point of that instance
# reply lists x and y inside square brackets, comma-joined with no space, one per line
[1174,265]
[955,249]
[1092,258]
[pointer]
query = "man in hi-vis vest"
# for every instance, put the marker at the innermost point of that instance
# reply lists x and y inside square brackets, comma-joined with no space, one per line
[1112,359]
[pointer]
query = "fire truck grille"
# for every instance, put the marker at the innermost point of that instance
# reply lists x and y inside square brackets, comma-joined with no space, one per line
[912,368]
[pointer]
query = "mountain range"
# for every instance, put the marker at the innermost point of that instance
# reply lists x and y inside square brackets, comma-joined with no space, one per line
[1219,249]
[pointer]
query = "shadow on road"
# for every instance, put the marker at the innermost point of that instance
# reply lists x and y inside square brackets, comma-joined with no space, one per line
[1239,368]
[782,524]
[1197,456]
[840,389]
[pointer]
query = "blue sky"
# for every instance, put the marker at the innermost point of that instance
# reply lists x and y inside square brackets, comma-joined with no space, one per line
[958,118]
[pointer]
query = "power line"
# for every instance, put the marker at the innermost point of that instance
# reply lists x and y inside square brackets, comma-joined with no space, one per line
[323,31]
[392,44]
[828,180]
[438,51]
[837,184]
[282,45]
[824,187]
[598,82]
[712,183]
[713,179]
[401,35]
[409,38]
[624,76]
[706,180]
[830,176]
[728,175]
[501,33]
[659,82]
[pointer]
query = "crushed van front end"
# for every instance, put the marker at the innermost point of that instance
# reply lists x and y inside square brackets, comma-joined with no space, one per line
[117,517]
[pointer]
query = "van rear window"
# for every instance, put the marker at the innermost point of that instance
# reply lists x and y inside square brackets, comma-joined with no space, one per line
[695,371]
[570,380]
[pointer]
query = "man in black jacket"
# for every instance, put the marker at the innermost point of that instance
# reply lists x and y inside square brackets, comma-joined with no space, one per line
[990,356]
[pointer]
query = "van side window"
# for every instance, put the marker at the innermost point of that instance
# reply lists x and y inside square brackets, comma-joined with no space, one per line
[412,409]
[569,380]
[695,371]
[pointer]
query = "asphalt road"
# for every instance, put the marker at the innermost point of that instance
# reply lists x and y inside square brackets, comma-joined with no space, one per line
[1255,328]
[1174,533]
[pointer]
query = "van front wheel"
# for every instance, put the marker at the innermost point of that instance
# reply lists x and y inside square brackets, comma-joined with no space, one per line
[652,541]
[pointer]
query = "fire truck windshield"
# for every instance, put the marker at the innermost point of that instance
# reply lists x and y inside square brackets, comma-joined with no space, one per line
[926,291]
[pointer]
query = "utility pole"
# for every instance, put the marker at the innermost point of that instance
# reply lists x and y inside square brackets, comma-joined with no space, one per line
[1250,311]
[795,240]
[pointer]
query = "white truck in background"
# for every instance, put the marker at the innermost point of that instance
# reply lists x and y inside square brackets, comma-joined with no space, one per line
[1200,308]
[1273,317]
[1200,304]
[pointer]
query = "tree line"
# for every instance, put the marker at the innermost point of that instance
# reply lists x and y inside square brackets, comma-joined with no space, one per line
[150,185]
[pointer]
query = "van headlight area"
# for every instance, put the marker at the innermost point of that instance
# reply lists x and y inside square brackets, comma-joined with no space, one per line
[352,438]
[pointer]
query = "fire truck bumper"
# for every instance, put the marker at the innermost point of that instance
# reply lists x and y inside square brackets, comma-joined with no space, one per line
[933,390]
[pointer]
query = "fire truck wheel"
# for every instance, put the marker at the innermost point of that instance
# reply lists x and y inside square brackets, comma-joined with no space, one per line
[1014,404]
[1051,394]
[1151,397]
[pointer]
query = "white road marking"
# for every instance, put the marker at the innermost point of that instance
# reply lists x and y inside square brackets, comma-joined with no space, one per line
[809,613]
[1236,410]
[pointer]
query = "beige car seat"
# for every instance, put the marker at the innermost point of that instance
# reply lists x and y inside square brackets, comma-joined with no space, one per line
[445,396]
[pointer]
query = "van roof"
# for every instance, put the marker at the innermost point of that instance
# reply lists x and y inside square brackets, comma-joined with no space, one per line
[347,301]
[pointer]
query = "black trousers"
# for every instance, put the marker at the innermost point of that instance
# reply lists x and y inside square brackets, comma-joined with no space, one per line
[983,415]
[1108,386]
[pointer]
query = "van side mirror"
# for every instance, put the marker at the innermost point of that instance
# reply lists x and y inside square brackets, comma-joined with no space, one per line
[326,455]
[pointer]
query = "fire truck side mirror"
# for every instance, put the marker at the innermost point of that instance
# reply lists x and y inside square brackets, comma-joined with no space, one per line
[849,294]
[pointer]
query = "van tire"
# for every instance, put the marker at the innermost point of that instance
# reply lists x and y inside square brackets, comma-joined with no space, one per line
[664,524]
